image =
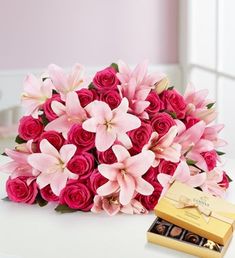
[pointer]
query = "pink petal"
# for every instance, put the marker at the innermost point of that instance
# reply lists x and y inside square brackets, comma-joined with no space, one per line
[58,182]
[140,71]
[43,162]
[110,171]
[171,153]
[60,124]
[127,188]
[73,106]
[108,188]
[122,108]
[75,78]
[197,180]
[58,108]
[67,151]
[127,209]
[143,187]
[44,180]
[163,179]
[100,111]
[97,207]
[19,157]
[120,152]
[168,138]
[104,138]
[125,140]
[47,148]
[58,76]
[90,125]
[111,208]
[139,164]
[32,85]
[126,122]
[203,146]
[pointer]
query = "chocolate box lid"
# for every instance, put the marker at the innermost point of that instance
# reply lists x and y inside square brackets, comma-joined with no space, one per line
[199,212]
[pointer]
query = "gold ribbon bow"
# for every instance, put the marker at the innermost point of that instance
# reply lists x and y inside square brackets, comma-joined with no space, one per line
[185,202]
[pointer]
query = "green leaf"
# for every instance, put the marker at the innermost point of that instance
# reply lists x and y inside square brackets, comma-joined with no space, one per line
[6,199]
[19,140]
[64,209]
[171,88]
[115,66]
[210,105]
[220,153]
[40,201]
[191,162]
[229,178]
[91,86]
[172,114]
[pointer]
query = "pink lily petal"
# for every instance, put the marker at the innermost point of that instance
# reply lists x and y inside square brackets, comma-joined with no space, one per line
[120,152]
[163,179]
[143,187]
[58,108]
[201,163]
[58,182]
[47,148]
[122,108]
[75,78]
[44,180]
[171,153]
[197,180]
[125,140]
[73,106]
[169,137]
[126,122]
[60,124]
[58,76]
[203,146]
[90,125]
[140,71]
[127,209]
[42,162]
[97,207]
[138,165]
[67,151]
[127,188]
[108,188]
[110,171]
[111,208]
[104,138]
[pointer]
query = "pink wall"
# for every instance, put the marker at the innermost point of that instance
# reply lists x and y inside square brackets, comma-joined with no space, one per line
[35,33]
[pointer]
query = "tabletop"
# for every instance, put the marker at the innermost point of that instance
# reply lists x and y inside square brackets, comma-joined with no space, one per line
[29,231]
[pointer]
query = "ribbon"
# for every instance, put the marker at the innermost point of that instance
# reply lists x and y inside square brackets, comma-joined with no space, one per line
[185,202]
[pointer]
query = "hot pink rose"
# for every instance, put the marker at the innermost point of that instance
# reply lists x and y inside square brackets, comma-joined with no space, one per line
[140,136]
[49,113]
[18,190]
[86,96]
[151,175]
[82,165]
[167,167]
[55,138]
[106,79]
[210,158]
[155,103]
[161,123]
[84,140]
[96,180]
[112,98]
[190,121]
[225,181]
[30,128]
[48,195]
[107,157]
[77,196]
[174,102]
[149,202]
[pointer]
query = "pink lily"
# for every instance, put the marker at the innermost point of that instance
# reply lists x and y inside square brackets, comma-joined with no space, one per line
[211,134]
[68,114]
[197,104]
[35,94]
[193,144]
[19,165]
[53,165]
[125,175]
[110,125]
[136,85]
[111,205]
[211,184]
[64,83]
[181,174]
[164,147]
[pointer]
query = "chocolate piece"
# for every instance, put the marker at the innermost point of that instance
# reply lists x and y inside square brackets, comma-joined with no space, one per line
[161,229]
[192,238]
[176,232]
[212,245]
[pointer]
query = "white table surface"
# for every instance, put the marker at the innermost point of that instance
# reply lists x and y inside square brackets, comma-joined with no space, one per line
[34,232]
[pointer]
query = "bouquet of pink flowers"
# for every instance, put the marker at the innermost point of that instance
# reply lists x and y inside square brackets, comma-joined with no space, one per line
[114,143]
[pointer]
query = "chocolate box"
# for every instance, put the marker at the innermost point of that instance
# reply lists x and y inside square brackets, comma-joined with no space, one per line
[197,216]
